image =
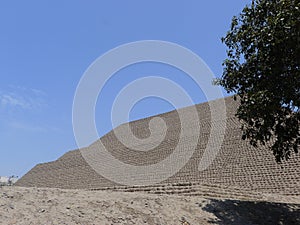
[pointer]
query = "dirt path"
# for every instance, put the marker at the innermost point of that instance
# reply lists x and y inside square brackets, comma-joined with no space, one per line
[55,206]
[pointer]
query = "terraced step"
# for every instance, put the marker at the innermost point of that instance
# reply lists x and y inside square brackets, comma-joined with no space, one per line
[192,189]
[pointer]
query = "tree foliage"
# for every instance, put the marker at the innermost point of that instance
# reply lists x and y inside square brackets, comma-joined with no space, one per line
[263,70]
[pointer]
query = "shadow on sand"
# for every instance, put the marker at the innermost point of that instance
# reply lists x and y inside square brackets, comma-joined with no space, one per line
[246,212]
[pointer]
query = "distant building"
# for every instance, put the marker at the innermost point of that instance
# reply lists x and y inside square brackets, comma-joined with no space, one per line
[8,180]
[4,179]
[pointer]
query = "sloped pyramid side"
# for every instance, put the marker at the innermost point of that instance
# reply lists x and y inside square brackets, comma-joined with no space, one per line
[237,164]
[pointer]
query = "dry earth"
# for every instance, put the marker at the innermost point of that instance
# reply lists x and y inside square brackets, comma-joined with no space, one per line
[20,205]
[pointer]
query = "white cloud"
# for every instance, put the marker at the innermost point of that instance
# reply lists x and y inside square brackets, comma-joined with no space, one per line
[9,100]
[21,109]
[32,127]
[22,98]
[26,127]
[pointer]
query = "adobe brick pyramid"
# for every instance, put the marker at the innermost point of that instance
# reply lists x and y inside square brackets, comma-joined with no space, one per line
[237,164]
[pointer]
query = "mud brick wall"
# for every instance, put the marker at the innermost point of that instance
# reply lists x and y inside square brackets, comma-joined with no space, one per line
[237,164]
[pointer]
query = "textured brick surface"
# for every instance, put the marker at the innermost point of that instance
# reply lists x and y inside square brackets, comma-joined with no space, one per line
[237,164]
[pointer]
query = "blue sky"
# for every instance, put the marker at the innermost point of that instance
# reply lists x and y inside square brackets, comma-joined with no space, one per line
[46,46]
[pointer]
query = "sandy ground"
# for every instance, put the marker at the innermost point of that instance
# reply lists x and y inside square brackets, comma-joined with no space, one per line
[55,206]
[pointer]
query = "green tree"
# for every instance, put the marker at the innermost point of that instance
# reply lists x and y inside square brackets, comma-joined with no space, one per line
[263,69]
